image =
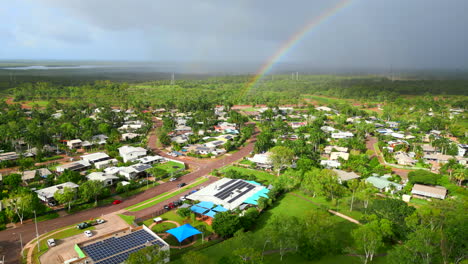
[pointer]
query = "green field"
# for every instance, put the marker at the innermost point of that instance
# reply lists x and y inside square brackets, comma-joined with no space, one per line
[127,218]
[261,176]
[162,197]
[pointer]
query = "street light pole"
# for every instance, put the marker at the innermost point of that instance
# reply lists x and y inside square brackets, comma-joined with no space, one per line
[21,241]
[37,233]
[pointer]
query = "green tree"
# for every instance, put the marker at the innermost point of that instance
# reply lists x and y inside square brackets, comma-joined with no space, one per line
[66,196]
[281,157]
[20,204]
[369,237]
[226,224]
[91,190]
[184,212]
[195,257]
[12,180]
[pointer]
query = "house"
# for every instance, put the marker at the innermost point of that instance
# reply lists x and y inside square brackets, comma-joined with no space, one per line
[150,160]
[342,135]
[200,149]
[324,108]
[223,126]
[403,158]
[345,176]
[423,191]
[80,165]
[181,139]
[462,149]
[183,129]
[47,194]
[86,144]
[392,124]
[296,125]
[95,157]
[127,136]
[214,144]
[134,171]
[383,184]
[439,158]
[262,160]
[74,143]
[329,149]
[29,175]
[105,163]
[106,179]
[129,153]
[397,135]
[330,163]
[8,156]
[327,129]
[337,155]
[100,139]
[428,149]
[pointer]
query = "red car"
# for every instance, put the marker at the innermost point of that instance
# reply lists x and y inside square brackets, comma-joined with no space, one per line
[116,202]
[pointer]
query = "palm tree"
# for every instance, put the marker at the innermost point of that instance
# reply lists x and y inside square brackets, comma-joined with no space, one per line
[460,175]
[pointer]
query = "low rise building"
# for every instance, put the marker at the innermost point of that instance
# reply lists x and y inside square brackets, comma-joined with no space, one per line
[427,191]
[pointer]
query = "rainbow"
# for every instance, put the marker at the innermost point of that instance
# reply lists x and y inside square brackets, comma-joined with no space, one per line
[292,41]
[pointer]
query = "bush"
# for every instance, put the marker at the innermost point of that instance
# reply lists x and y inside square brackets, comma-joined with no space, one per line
[424,177]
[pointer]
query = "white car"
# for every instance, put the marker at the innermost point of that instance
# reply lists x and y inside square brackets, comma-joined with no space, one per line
[51,242]
[100,221]
[88,233]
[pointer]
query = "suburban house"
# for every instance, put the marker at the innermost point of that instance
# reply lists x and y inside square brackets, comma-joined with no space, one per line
[337,155]
[8,156]
[345,176]
[151,160]
[342,135]
[95,157]
[129,153]
[29,175]
[330,163]
[295,125]
[100,139]
[327,129]
[403,158]
[74,143]
[106,179]
[214,144]
[134,171]
[105,163]
[439,158]
[424,191]
[80,165]
[392,124]
[221,127]
[329,149]
[428,149]
[127,136]
[47,194]
[262,160]
[324,108]
[383,184]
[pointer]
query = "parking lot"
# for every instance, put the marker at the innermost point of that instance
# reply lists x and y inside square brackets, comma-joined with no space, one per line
[64,249]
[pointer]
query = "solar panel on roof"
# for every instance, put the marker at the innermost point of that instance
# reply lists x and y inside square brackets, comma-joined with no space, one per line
[249,188]
[222,193]
[227,183]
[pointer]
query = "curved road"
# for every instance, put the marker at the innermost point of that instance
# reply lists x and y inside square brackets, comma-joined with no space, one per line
[10,240]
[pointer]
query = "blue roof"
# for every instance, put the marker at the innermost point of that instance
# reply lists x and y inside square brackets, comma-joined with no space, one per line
[197,209]
[210,213]
[207,205]
[219,208]
[183,232]
[254,198]
[253,182]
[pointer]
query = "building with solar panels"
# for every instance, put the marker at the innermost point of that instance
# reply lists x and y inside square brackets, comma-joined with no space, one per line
[231,193]
[116,247]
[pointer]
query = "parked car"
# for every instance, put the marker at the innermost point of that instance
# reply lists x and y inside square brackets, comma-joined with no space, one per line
[157,220]
[173,179]
[116,202]
[51,242]
[88,233]
[180,185]
[52,203]
[100,221]
[82,225]
[177,203]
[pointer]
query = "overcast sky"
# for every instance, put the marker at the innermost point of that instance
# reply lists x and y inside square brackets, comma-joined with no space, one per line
[366,33]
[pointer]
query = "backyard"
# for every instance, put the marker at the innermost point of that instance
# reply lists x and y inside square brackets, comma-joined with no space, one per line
[261,176]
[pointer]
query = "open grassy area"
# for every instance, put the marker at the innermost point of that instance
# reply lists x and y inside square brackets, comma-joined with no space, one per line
[127,218]
[292,206]
[163,197]
[261,176]
[165,169]
[47,217]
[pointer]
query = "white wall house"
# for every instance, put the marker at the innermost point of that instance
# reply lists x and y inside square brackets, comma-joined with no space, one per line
[129,153]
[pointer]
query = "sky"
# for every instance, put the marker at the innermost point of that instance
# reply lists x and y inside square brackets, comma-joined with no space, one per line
[365,33]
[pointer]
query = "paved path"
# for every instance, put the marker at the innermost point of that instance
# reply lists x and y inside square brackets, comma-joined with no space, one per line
[9,239]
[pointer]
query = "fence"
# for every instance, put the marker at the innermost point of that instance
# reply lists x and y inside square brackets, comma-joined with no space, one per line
[150,216]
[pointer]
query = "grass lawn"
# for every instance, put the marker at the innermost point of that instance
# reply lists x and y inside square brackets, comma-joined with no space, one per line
[47,217]
[127,218]
[170,166]
[261,176]
[160,228]
[173,216]
[163,197]
[247,162]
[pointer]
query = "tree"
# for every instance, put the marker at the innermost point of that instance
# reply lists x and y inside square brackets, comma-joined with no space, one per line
[90,190]
[284,231]
[13,180]
[369,237]
[148,255]
[226,224]
[195,257]
[395,211]
[460,175]
[20,204]
[281,157]
[70,176]
[353,186]
[184,212]
[241,247]
[66,196]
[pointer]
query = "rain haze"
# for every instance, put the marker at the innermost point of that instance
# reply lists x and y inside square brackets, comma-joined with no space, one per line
[417,34]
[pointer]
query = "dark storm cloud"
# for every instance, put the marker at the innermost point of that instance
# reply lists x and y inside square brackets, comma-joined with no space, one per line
[367,33]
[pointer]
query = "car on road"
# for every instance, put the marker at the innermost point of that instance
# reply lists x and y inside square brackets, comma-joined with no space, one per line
[169,206]
[51,242]
[173,179]
[180,185]
[116,202]
[100,221]
[88,233]
[82,225]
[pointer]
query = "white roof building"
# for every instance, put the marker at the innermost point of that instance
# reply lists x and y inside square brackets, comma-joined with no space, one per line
[106,179]
[337,155]
[330,163]
[342,135]
[345,176]
[74,166]
[48,193]
[429,191]
[261,158]
[95,157]
[329,149]
[129,153]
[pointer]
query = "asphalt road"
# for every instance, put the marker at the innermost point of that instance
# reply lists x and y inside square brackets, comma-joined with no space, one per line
[10,238]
